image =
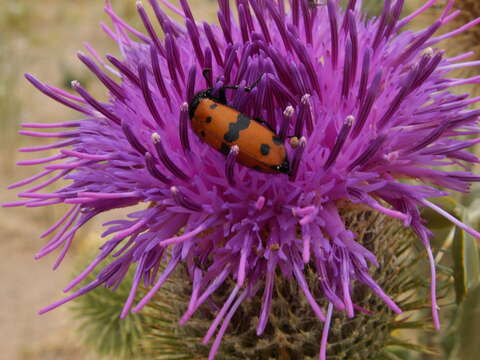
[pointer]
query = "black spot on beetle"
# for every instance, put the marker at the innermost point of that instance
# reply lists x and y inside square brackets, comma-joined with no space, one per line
[213,106]
[258,168]
[208,119]
[225,149]
[264,149]
[202,133]
[277,140]
[233,133]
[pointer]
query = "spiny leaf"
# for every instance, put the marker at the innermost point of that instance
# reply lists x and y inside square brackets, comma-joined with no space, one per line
[100,325]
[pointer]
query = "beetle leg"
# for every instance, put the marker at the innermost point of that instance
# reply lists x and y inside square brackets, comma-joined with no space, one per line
[222,98]
[264,123]
[248,88]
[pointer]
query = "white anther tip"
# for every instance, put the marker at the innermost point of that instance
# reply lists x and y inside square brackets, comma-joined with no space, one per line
[429,51]
[234,150]
[155,138]
[306,98]
[289,110]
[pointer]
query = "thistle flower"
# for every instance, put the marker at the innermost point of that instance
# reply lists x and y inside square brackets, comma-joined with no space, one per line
[364,107]
[292,332]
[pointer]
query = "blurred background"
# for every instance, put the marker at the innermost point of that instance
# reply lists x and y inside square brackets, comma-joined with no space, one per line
[42,38]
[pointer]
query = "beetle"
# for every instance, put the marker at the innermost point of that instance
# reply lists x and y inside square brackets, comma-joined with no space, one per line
[222,127]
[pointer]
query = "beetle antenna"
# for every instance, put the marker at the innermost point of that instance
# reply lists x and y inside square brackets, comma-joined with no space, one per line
[255,83]
[234,87]
[248,88]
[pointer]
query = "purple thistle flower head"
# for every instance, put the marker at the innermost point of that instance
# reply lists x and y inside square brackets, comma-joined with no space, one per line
[362,105]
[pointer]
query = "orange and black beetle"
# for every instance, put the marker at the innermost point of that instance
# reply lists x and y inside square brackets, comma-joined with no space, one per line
[222,127]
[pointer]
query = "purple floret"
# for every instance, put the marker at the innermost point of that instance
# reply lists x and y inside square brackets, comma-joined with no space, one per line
[362,105]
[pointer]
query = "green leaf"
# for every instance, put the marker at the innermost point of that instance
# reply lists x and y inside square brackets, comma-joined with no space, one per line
[467,327]
[437,221]
[459,268]
[466,260]
[394,352]
[415,347]
[466,267]
[472,260]
[419,324]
